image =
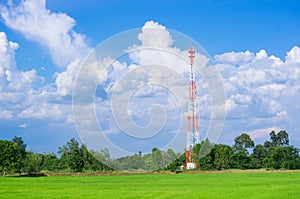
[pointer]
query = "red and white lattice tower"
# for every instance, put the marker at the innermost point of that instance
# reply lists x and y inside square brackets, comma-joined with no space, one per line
[192,115]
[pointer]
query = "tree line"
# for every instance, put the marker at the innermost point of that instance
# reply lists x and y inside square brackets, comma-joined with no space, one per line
[15,159]
[275,153]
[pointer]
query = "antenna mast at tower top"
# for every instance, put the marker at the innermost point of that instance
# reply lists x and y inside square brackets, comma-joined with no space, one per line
[192,115]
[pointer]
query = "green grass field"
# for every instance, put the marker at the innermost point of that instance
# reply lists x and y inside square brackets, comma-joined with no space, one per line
[213,185]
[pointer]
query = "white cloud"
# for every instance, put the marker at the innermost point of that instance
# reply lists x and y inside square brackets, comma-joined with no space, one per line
[11,79]
[159,51]
[262,91]
[242,99]
[24,125]
[24,80]
[24,94]
[155,35]
[254,76]
[293,55]
[54,112]
[7,53]
[261,54]
[230,105]
[65,80]
[235,57]
[262,132]
[6,115]
[52,30]
[272,90]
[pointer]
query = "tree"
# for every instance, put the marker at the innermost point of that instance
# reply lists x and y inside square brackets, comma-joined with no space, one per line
[279,139]
[50,162]
[72,155]
[170,155]
[101,160]
[273,137]
[223,156]
[180,160]
[157,160]
[258,156]
[195,154]
[242,143]
[88,158]
[283,138]
[205,147]
[285,157]
[8,154]
[277,149]
[33,162]
[207,156]
[20,153]
[293,158]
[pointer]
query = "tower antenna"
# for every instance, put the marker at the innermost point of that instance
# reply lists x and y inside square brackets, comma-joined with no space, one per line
[192,115]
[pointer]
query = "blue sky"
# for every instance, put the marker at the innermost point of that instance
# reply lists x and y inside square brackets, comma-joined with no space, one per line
[220,26]
[254,43]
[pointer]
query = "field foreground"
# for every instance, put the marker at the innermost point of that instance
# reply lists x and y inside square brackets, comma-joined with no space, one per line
[203,185]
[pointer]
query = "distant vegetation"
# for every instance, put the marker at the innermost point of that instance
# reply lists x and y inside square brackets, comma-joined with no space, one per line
[275,153]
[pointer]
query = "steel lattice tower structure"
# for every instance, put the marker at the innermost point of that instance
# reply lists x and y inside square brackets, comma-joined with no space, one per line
[192,115]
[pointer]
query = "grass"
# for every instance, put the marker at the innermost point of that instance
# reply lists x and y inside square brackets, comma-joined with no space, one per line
[213,185]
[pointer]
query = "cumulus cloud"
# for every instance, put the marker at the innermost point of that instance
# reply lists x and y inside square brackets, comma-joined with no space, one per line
[261,89]
[65,80]
[24,94]
[293,55]
[155,35]
[7,52]
[23,80]
[54,31]
[43,111]
[235,57]
[11,79]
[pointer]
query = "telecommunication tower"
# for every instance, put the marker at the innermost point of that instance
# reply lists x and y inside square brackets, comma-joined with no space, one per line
[192,115]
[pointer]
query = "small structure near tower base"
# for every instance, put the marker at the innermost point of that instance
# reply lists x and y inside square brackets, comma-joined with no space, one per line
[191,165]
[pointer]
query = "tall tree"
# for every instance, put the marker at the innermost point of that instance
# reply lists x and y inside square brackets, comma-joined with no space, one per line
[283,138]
[242,143]
[157,159]
[273,138]
[72,155]
[279,139]
[20,153]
